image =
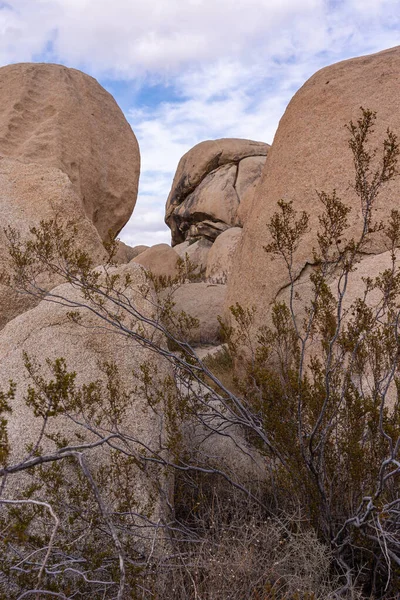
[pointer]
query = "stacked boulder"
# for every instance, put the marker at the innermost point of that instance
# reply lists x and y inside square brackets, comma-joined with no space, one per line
[209,187]
[209,201]
[66,152]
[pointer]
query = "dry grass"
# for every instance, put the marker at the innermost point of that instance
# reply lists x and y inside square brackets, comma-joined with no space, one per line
[221,365]
[237,553]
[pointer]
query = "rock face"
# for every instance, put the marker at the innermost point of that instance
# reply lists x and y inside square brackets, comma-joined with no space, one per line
[160,259]
[310,152]
[221,256]
[28,194]
[197,252]
[46,332]
[126,253]
[65,149]
[203,207]
[208,186]
[249,175]
[205,302]
[58,117]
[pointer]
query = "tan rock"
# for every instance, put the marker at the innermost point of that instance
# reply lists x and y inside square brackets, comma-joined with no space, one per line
[126,253]
[182,248]
[204,302]
[369,266]
[310,152]
[30,193]
[58,117]
[215,197]
[160,259]
[196,164]
[230,452]
[197,252]
[46,332]
[249,174]
[221,255]
[136,250]
[121,255]
[207,229]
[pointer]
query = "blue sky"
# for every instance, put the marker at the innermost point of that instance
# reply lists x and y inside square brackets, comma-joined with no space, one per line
[188,70]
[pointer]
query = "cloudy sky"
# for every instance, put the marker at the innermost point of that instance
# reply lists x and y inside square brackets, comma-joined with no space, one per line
[188,70]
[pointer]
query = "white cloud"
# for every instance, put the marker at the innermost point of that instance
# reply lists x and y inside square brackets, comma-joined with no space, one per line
[233,65]
[222,100]
[127,36]
[147,227]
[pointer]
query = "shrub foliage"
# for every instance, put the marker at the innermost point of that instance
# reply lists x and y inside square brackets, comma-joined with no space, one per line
[316,399]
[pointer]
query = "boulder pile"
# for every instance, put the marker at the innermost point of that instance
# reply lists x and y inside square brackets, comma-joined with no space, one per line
[211,183]
[67,153]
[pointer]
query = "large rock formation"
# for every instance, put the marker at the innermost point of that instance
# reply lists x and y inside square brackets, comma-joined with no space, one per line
[204,302]
[47,332]
[310,152]
[208,186]
[161,260]
[28,194]
[221,256]
[196,251]
[58,117]
[125,253]
[205,203]
[66,150]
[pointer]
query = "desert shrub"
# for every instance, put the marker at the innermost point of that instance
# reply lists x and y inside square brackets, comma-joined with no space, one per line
[322,379]
[314,393]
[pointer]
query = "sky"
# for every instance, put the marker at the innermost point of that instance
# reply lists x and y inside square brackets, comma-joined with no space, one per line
[184,71]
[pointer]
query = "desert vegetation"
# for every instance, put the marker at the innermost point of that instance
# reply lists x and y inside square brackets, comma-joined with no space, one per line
[311,399]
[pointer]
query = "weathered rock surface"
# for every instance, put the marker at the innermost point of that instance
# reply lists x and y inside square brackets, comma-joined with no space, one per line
[58,117]
[310,152]
[136,250]
[221,255]
[197,252]
[28,194]
[205,189]
[46,332]
[126,253]
[215,197]
[160,259]
[249,175]
[229,452]
[205,302]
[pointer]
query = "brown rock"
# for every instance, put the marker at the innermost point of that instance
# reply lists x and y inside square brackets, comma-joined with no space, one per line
[230,452]
[205,302]
[310,152]
[249,171]
[58,117]
[126,253]
[30,193]
[193,168]
[46,332]
[136,250]
[160,259]
[122,252]
[197,252]
[249,174]
[221,255]
[206,229]
[215,197]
